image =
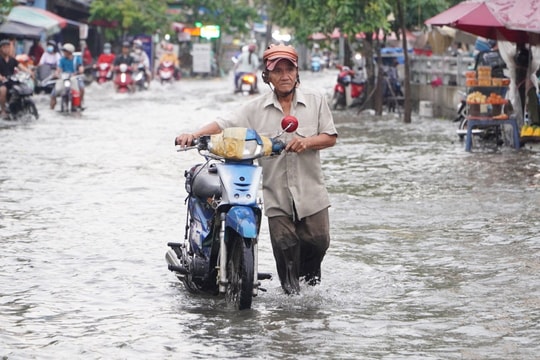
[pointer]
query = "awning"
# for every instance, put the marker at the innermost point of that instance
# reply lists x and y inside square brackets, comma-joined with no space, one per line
[16,29]
[36,17]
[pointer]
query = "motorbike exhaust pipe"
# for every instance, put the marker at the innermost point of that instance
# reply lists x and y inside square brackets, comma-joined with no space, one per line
[174,264]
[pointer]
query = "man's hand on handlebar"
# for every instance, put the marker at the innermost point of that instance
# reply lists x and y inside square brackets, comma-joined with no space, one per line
[184,140]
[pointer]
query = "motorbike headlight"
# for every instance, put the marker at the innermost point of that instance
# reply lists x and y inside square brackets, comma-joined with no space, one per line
[123,67]
[67,83]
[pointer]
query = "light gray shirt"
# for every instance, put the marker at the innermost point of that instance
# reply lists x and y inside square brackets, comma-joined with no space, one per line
[291,181]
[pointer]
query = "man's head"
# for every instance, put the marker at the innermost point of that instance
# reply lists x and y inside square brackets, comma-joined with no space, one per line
[107,48]
[4,46]
[68,50]
[281,68]
[125,47]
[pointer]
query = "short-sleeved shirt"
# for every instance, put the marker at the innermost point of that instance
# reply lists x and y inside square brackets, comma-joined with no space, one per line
[7,68]
[293,183]
[70,66]
[244,64]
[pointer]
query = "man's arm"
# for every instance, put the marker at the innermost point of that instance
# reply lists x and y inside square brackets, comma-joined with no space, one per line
[186,139]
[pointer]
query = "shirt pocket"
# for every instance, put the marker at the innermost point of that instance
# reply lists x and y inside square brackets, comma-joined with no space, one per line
[306,130]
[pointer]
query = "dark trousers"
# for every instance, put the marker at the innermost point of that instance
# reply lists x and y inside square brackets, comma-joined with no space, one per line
[299,248]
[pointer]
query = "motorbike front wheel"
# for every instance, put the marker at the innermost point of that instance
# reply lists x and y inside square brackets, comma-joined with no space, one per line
[30,108]
[240,273]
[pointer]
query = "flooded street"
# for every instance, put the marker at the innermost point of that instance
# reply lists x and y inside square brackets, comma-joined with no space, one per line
[435,252]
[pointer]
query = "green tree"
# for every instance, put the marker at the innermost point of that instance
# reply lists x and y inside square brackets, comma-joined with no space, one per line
[131,16]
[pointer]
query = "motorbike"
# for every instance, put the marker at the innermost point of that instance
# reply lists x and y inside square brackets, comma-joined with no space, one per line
[248,84]
[166,72]
[19,98]
[103,72]
[45,79]
[140,78]
[219,253]
[123,79]
[349,89]
[70,98]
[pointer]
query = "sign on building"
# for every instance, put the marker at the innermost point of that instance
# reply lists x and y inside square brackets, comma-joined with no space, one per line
[202,58]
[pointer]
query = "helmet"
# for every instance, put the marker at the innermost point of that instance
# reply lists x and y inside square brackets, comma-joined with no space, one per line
[69,48]
[107,46]
[51,42]
[252,47]
[4,42]
[274,53]
[137,43]
[125,44]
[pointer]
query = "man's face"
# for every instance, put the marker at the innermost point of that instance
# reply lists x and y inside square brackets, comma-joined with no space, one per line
[4,49]
[67,54]
[283,77]
[125,50]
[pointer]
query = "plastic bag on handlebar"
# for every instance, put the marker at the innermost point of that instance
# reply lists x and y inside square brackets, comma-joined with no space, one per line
[240,144]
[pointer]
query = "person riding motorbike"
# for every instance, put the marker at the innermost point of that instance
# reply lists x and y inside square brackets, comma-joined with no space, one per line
[71,65]
[140,57]
[106,56]
[124,58]
[169,56]
[51,56]
[247,63]
[296,200]
[8,64]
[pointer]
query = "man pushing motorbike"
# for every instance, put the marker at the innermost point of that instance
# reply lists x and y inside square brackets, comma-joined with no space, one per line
[295,197]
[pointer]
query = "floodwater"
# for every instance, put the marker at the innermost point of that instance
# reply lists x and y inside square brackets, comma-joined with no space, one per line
[435,252]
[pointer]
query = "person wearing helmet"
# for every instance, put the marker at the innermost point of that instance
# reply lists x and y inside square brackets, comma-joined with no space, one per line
[295,197]
[247,63]
[51,56]
[140,57]
[8,64]
[107,56]
[170,57]
[124,58]
[72,65]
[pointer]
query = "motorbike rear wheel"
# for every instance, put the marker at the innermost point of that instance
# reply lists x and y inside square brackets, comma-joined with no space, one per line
[338,100]
[240,273]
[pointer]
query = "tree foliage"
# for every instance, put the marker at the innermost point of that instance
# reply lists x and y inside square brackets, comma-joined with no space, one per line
[131,16]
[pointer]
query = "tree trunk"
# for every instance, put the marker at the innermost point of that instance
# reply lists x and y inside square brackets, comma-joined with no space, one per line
[406,82]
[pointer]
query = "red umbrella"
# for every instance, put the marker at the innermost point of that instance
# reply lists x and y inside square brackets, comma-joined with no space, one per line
[514,20]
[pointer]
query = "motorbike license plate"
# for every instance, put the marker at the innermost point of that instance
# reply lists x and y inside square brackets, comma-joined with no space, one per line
[246,87]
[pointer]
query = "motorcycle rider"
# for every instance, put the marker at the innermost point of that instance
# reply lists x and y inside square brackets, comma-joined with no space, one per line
[140,57]
[295,198]
[169,56]
[106,57]
[124,58]
[51,56]
[247,63]
[8,64]
[71,65]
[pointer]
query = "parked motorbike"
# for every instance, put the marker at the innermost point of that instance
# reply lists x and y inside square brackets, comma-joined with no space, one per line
[349,89]
[140,78]
[45,79]
[248,84]
[166,72]
[70,98]
[219,252]
[123,79]
[103,72]
[19,98]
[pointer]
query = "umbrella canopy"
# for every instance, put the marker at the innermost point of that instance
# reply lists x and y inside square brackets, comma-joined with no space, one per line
[36,17]
[16,29]
[514,20]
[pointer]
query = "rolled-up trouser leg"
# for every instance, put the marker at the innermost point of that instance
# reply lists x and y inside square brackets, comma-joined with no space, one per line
[299,248]
[314,234]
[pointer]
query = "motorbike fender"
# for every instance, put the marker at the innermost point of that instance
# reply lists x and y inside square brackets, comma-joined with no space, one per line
[243,220]
[339,88]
